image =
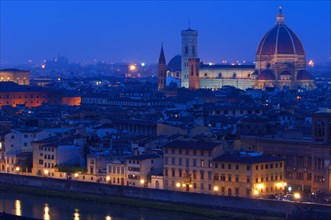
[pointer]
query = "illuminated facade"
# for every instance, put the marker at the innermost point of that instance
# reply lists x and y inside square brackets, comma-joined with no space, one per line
[12,94]
[21,77]
[204,168]
[308,162]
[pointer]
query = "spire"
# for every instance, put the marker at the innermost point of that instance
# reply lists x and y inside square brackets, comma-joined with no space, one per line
[280,16]
[162,57]
[189,23]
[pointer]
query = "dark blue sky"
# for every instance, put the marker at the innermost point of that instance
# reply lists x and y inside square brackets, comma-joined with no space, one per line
[132,31]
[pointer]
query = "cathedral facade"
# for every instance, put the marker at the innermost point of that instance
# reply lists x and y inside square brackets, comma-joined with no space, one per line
[280,62]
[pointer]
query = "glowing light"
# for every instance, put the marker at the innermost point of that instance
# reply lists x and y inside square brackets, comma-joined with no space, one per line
[215,188]
[46,172]
[76,175]
[190,185]
[183,185]
[311,63]
[260,186]
[18,210]
[59,79]
[46,212]
[142,64]
[132,67]
[108,217]
[108,178]
[76,214]
[17,169]
[142,181]
[297,195]
[256,192]
[178,185]
[289,189]
[43,66]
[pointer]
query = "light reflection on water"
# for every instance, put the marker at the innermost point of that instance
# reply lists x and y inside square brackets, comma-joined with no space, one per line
[18,210]
[53,209]
[46,212]
[76,214]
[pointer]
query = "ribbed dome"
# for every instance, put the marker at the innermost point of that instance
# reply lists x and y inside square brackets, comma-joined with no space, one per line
[175,64]
[267,74]
[304,75]
[280,40]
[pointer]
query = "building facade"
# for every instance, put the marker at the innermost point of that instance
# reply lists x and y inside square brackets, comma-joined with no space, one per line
[21,77]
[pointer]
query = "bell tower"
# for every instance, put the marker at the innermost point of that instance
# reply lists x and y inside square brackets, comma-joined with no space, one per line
[161,71]
[189,50]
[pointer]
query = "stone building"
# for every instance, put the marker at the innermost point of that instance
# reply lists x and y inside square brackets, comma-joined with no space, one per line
[21,77]
[308,162]
[203,167]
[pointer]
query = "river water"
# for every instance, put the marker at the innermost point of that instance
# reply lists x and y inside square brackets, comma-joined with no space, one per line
[62,209]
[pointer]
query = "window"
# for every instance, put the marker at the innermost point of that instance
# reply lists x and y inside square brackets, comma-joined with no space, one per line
[248,179]
[257,167]
[222,177]
[166,160]
[202,163]
[266,166]
[201,174]
[229,166]
[187,161]
[229,178]
[202,153]
[180,162]
[209,175]
[194,162]
[271,166]
[237,167]
[223,166]
[237,179]
[180,151]
[172,161]
[216,165]
[187,152]
[248,167]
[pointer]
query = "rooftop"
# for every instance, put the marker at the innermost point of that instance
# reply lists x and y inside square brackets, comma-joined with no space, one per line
[247,158]
[198,145]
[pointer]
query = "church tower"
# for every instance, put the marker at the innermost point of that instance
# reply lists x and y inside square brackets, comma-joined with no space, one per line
[189,50]
[193,76]
[161,71]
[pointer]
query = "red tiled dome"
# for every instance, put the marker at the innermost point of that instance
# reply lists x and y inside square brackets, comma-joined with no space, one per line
[280,40]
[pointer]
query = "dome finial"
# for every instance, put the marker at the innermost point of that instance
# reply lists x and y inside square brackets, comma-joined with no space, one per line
[280,16]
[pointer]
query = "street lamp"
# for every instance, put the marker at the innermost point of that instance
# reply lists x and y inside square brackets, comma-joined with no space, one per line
[17,169]
[178,184]
[216,188]
[297,196]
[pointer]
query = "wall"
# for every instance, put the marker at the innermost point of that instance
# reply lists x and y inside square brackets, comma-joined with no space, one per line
[253,205]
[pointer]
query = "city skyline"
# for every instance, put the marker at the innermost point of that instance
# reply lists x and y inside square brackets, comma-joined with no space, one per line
[124,31]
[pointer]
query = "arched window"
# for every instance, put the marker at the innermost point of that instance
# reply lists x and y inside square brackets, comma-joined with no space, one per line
[234,75]
[220,75]
[157,184]
[229,192]
[206,75]
[319,129]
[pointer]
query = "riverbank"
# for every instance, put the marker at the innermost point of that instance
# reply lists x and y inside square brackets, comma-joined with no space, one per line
[136,203]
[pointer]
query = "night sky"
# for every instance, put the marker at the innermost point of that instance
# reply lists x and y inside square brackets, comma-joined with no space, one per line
[131,31]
